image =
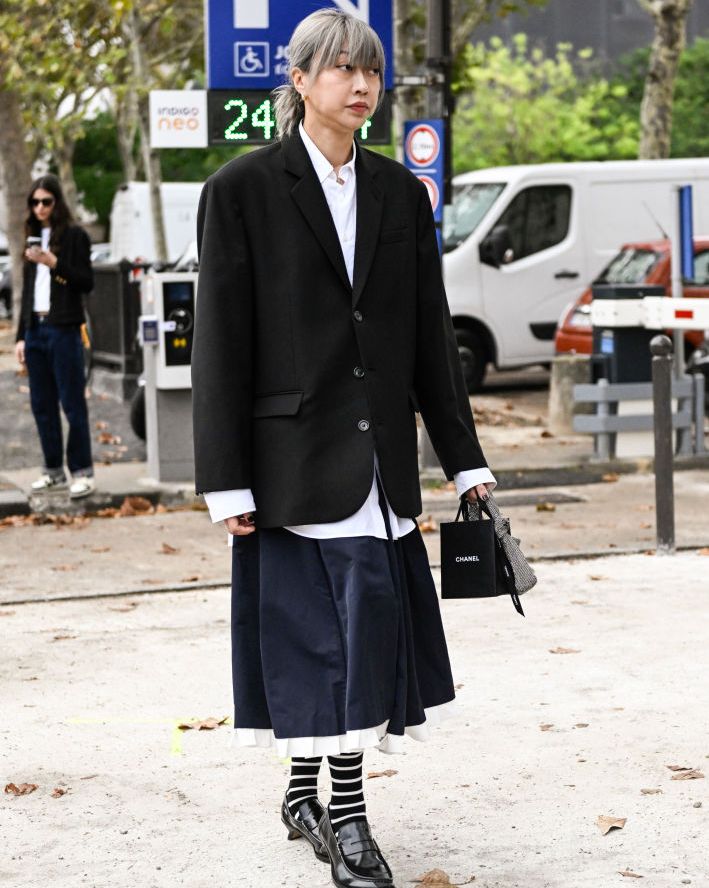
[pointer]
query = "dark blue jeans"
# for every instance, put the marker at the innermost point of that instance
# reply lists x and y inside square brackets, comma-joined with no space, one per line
[55,364]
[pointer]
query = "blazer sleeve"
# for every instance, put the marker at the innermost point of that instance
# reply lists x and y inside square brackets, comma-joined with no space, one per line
[222,379]
[73,266]
[440,388]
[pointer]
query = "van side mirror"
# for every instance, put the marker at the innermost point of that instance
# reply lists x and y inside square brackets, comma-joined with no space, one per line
[496,247]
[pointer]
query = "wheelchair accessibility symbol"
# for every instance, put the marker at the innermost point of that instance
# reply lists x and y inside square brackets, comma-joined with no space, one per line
[251,59]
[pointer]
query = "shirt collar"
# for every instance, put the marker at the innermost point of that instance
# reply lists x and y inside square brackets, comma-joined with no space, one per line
[323,167]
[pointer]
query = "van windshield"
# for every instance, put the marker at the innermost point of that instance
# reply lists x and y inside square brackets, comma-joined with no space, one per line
[630,266]
[470,206]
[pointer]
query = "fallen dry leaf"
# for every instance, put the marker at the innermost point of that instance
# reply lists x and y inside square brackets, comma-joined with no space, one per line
[650,791]
[108,438]
[630,874]
[610,477]
[65,567]
[62,637]
[101,424]
[135,505]
[6,613]
[688,775]
[99,549]
[428,526]
[58,791]
[22,789]
[191,579]
[645,525]
[581,725]
[208,724]
[546,434]
[546,507]
[109,512]
[457,687]
[597,577]
[388,773]
[434,877]
[606,823]
[678,767]
[124,608]
[563,650]
[580,601]
[545,727]
[704,551]
[167,549]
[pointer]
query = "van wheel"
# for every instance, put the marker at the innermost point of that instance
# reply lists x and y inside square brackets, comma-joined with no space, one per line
[137,413]
[473,357]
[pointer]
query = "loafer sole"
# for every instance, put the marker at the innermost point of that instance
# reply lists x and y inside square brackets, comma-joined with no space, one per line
[295,831]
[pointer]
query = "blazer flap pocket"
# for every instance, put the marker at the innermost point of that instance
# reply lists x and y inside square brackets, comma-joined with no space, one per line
[277,404]
[392,235]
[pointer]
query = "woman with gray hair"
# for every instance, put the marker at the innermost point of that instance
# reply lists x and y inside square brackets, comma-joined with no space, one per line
[322,327]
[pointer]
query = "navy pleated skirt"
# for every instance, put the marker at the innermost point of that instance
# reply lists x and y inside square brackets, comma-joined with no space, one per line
[337,644]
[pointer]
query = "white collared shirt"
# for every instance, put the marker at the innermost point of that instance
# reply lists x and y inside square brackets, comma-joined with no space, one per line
[341,196]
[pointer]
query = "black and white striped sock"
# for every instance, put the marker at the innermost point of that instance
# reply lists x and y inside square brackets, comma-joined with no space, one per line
[303,781]
[347,802]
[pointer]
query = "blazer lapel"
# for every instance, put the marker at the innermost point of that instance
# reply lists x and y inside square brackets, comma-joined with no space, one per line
[369,220]
[310,198]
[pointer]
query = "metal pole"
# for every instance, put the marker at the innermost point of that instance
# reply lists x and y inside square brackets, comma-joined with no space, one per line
[661,348]
[677,291]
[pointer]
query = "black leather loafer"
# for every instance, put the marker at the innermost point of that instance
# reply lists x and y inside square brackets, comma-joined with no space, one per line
[355,858]
[305,823]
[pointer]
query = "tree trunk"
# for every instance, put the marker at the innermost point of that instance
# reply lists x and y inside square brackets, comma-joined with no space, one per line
[64,156]
[16,171]
[408,104]
[670,18]
[151,159]
[126,127]
[151,162]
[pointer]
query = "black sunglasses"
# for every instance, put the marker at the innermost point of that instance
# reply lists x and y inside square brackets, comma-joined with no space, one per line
[45,201]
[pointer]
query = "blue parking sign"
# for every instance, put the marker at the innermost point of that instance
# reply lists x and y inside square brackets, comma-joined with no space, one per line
[247,40]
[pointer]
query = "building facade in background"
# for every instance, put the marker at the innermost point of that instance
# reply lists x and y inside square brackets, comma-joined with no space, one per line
[610,27]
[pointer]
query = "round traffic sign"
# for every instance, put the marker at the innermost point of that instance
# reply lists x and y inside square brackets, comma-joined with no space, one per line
[423,145]
[433,193]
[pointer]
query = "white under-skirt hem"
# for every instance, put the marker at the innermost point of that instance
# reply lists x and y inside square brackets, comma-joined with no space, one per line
[365,738]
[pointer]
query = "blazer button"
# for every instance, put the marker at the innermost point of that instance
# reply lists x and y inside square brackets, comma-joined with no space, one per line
[358,372]
[363,425]
[358,316]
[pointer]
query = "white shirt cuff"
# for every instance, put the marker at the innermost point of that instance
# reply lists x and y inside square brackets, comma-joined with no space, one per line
[228,503]
[471,478]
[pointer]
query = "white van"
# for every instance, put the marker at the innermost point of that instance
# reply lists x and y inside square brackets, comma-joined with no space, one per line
[132,224]
[521,242]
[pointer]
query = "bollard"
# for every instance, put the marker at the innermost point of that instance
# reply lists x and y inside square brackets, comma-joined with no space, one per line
[662,356]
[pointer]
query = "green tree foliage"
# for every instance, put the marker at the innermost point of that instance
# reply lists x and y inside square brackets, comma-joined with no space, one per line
[690,125]
[518,105]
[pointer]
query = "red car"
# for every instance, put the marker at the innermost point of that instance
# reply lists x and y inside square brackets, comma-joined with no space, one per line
[647,262]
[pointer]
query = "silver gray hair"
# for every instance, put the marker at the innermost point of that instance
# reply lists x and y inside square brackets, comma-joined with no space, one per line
[316,44]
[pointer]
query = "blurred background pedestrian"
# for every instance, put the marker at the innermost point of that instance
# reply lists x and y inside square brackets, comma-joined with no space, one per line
[56,274]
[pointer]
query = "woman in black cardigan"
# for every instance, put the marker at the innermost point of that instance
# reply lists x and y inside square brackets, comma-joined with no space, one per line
[56,275]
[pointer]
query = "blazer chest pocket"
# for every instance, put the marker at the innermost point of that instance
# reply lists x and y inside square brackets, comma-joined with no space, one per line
[277,404]
[392,235]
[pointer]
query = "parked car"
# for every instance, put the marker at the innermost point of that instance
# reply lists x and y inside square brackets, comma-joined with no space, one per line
[643,262]
[521,242]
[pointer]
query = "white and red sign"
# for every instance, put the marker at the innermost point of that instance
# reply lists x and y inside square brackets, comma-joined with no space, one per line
[423,145]
[433,190]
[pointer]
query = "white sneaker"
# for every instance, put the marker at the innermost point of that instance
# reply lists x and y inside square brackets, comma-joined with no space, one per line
[83,486]
[47,482]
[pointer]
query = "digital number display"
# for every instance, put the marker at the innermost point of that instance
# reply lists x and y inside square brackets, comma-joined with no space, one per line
[246,117]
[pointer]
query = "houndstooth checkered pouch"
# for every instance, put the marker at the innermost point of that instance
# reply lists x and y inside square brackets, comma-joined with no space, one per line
[510,573]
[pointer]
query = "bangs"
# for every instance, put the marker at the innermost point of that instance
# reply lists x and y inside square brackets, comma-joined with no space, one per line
[352,36]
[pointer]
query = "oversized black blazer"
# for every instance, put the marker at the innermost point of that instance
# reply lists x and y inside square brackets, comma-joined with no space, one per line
[70,279]
[297,377]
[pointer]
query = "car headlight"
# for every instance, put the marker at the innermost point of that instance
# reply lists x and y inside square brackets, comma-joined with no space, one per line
[580,316]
